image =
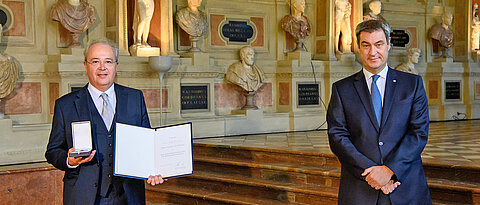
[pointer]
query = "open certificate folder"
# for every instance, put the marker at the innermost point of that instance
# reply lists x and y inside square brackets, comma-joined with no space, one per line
[141,152]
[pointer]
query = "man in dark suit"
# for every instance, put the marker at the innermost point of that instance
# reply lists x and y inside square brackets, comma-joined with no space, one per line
[90,180]
[378,127]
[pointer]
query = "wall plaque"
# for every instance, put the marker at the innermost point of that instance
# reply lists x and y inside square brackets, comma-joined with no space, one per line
[308,94]
[400,38]
[452,90]
[6,17]
[3,17]
[76,87]
[238,31]
[194,97]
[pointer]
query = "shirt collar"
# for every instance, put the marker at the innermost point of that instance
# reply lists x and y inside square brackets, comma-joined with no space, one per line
[96,93]
[382,74]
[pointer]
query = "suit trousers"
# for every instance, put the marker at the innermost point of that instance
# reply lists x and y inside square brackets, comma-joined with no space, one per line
[115,196]
[383,199]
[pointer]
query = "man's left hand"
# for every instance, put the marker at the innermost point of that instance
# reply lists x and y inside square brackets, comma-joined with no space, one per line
[387,189]
[377,176]
[154,180]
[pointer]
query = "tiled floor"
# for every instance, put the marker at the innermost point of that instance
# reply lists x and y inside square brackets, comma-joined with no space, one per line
[454,142]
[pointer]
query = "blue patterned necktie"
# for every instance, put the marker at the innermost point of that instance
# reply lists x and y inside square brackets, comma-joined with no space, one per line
[107,111]
[376,98]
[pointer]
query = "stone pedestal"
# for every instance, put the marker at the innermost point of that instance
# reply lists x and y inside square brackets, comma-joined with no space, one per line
[440,76]
[300,58]
[346,57]
[144,51]
[198,58]
[474,90]
[191,69]
[475,56]
[22,143]
[6,127]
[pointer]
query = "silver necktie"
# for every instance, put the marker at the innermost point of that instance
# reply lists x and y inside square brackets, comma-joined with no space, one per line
[107,111]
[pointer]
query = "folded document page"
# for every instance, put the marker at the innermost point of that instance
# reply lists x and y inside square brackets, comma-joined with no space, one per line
[141,152]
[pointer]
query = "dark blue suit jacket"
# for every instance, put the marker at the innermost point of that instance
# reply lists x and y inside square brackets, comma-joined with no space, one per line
[80,184]
[358,142]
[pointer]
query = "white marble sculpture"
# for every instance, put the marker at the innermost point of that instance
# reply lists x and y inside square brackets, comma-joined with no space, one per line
[9,74]
[247,75]
[75,16]
[297,24]
[193,21]
[343,31]
[375,7]
[475,29]
[413,54]
[141,21]
[442,33]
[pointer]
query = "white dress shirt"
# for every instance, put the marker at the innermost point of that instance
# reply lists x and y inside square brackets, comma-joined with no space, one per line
[98,101]
[381,81]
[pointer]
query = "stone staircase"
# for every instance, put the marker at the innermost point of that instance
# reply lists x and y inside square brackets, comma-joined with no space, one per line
[245,175]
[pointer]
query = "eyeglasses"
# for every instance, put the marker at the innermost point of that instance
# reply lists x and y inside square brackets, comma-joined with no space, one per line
[108,63]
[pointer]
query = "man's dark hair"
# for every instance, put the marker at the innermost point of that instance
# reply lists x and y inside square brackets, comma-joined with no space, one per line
[371,26]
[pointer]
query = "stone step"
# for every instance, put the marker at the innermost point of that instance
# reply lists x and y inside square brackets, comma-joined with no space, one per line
[441,170]
[258,188]
[448,184]
[452,171]
[440,202]
[442,189]
[262,155]
[280,172]
[185,195]
[454,191]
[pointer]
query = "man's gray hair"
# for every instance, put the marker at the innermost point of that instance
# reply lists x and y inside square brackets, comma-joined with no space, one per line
[102,41]
[371,26]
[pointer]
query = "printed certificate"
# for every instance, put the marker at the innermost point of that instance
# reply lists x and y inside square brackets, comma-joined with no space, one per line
[141,152]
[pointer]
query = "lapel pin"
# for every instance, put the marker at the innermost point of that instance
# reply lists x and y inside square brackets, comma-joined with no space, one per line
[394,81]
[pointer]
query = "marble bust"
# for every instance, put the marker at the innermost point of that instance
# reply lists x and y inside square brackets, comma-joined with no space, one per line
[141,21]
[343,31]
[297,24]
[475,29]
[375,7]
[75,16]
[245,73]
[191,19]
[413,54]
[9,73]
[442,32]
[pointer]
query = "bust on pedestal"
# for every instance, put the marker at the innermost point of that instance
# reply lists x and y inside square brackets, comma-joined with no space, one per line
[297,24]
[193,21]
[375,7]
[75,16]
[247,75]
[9,74]
[412,58]
[442,33]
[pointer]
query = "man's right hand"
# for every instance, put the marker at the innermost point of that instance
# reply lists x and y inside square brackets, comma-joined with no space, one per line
[75,161]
